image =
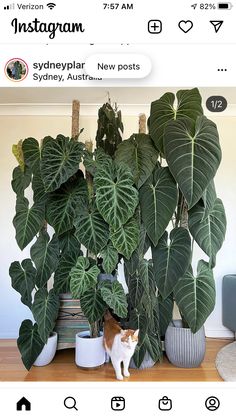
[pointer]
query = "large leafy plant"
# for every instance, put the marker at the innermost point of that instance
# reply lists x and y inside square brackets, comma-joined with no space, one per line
[174,168]
[59,211]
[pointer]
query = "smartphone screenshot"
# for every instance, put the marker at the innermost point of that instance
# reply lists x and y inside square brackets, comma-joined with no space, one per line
[117,183]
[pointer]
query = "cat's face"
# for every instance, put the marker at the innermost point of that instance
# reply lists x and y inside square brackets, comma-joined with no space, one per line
[129,338]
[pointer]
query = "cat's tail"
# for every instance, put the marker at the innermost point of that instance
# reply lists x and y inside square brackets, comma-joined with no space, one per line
[107,315]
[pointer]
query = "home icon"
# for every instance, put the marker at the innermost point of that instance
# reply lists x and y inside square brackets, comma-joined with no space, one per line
[23,404]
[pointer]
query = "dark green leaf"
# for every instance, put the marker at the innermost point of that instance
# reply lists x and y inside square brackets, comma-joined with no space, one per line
[31,151]
[23,279]
[93,305]
[91,229]
[116,198]
[29,343]
[125,239]
[163,111]
[208,232]
[61,205]
[110,258]
[114,296]
[45,255]
[166,312]
[21,180]
[27,221]
[158,200]
[82,277]
[60,160]
[171,258]
[193,154]
[195,296]
[45,310]
[139,154]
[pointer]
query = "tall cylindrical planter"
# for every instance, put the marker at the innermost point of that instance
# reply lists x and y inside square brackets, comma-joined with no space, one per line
[184,348]
[89,352]
[70,321]
[48,352]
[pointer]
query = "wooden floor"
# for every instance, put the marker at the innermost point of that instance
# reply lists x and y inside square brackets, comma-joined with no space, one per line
[63,368]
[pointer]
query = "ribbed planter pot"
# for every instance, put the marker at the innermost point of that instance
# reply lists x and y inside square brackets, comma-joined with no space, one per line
[89,352]
[147,363]
[184,348]
[48,352]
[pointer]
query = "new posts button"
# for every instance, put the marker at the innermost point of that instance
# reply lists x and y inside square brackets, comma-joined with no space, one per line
[118,66]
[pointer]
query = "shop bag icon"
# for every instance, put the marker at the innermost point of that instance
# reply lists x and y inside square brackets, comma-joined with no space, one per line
[165,403]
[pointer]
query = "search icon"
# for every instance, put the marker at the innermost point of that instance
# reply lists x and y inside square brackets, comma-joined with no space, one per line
[70,403]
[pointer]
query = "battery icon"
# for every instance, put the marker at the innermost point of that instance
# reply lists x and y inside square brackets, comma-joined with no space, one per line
[227,6]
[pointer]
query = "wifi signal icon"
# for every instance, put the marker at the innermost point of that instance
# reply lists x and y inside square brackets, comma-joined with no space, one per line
[51,5]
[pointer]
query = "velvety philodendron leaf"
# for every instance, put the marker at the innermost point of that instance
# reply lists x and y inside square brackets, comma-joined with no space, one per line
[158,200]
[195,296]
[61,205]
[27,221]
[140,155]
[68,242]
[114,296]
[171,258]
[125,239]
[45,255]
[18,153]
[93,305]
[149,339]
[91,229]
[29,343]
[116,198]
[60,160]
[141,284]
[83,277]
[208,198]
[93,160]
[38,188]
[208,232]
[23,279]
[45,310]
[20,180]
[193,154]
[110,258]
[31,151]
[165,312]
[163,111]
[67,261]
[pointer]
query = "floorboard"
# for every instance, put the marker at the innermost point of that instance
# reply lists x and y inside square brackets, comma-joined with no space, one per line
[63,368]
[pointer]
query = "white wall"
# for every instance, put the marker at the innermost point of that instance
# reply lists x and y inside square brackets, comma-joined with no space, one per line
[14,128]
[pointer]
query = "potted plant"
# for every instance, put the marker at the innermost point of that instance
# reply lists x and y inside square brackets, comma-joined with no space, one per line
[188,142]
[96,211]
[174,167]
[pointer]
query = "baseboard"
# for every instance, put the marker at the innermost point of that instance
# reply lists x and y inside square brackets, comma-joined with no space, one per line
[8,335]
[219,333]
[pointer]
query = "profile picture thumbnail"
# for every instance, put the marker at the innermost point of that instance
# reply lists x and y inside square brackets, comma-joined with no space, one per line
[16,69]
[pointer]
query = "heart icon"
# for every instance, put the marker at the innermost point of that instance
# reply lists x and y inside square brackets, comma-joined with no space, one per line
[185,25]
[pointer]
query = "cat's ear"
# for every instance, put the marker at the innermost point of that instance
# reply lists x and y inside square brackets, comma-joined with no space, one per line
[123,332]
[136,333]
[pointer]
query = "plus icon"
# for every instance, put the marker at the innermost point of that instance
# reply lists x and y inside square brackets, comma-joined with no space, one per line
[154,26]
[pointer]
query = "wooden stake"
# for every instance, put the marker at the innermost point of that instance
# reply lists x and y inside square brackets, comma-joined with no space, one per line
[142,124]
[75,119]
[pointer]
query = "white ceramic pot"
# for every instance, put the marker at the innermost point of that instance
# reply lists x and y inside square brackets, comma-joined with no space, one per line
[89,352]
[48,351]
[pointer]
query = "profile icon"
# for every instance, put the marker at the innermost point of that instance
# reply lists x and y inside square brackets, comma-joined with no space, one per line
[212,403]
[16,69]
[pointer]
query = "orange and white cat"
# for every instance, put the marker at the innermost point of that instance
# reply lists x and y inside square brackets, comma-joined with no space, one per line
[120,345]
